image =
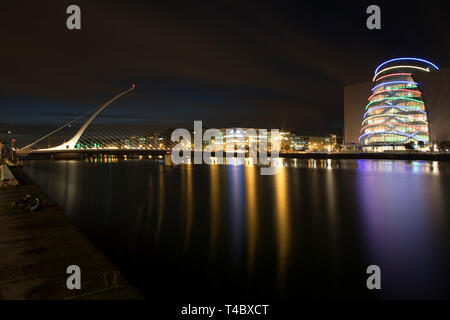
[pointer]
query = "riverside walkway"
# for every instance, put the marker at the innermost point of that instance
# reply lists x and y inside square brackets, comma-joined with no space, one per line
[37,247]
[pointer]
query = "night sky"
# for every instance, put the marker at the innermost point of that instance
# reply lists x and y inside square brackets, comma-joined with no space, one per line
[231,63]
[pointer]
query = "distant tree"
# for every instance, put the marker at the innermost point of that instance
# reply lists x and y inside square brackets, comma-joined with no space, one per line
[409,145]
[444,145]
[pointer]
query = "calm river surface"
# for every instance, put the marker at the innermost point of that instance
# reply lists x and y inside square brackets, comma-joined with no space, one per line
[225,231]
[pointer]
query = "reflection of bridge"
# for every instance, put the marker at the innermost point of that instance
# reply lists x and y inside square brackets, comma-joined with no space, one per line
[121,140]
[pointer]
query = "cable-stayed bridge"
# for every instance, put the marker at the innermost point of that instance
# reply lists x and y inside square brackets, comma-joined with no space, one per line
[102,136]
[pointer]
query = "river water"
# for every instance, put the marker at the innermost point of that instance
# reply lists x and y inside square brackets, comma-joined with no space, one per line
[225,231]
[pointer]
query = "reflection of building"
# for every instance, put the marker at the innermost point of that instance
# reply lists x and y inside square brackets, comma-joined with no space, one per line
[408,107]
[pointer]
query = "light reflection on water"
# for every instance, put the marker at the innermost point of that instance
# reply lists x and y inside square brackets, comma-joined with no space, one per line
[283,231]
[226,231]
[402,233]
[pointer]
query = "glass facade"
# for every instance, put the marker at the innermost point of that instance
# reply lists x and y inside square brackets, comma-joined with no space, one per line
[395,116]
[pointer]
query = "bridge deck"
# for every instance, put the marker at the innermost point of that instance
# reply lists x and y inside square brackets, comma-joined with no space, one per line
[37,247]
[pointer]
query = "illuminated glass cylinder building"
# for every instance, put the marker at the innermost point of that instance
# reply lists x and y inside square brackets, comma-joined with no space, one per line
[395,117]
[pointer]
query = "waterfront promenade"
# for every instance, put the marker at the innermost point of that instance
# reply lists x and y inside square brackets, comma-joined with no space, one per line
[37,247]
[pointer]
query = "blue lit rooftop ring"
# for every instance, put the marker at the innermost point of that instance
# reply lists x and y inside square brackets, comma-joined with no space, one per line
[400,59]
[393,82]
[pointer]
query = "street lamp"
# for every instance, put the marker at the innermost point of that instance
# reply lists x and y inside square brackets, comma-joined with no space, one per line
[6,138]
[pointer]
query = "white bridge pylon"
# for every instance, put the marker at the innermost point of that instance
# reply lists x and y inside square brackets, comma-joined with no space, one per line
[70,145]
